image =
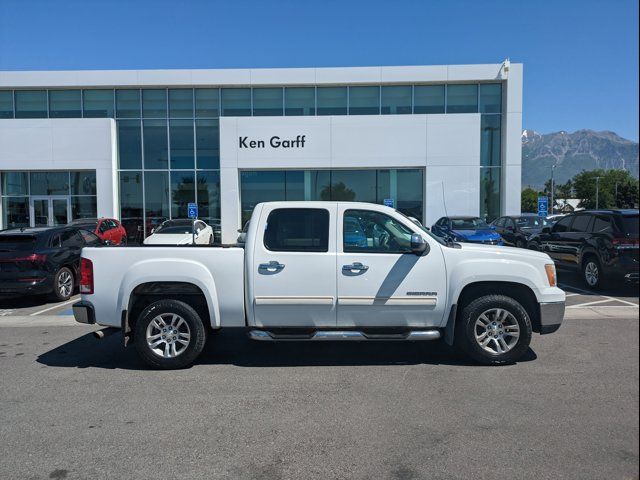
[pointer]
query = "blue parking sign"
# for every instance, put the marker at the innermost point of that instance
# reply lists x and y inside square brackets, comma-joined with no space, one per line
[543,206]
[192,210]
[388,202]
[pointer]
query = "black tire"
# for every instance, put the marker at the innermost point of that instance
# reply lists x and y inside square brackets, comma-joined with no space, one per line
[465,337]
[196,330]
[61,277]
[592,273]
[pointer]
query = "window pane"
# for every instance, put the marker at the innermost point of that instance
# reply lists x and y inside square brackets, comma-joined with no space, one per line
[64,104]
[16,212]
[299,101]
[332,100]
[297,230]
[295,185]
[396,100]
[207,102]
[156,199]
[98,103]
[428,99]
[83,183]
[209,199]
[181,103]
[208,144]
[15,183]
[131,204]
[462,98]
[154,103]
[236,102]
[155,144]
[490,141]
[183,192]
[262,186]
[181,137]
[581,223]
[267,101]
[130,144]
[83,207]
[490,193]
[353,186]
[491,98]
[374,232]
[49,183]
[6,104]
[364,100]
[31,104]
[128,103]
[410,188]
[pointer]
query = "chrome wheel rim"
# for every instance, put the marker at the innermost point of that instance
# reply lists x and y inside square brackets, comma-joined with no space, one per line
[65,284]
[496,331]
[591,273]
[168,335]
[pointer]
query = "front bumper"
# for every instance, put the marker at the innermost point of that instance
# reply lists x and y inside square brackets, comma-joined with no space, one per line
[551,316]
[83,312]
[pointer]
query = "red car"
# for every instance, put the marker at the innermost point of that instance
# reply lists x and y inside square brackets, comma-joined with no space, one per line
[108,229]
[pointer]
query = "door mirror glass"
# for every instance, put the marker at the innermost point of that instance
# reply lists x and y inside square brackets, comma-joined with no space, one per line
[418,244]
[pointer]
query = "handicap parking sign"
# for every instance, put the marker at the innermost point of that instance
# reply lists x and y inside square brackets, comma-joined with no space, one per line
[192,210]
[543,206]
[388,202]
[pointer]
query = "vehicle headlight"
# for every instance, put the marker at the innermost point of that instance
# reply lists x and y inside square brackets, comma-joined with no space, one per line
[550,268]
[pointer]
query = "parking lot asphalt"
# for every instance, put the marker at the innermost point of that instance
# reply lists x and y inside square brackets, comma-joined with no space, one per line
[76,407]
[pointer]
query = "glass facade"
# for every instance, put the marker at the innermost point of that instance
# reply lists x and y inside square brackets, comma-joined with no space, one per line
[403,187]
[74,189]
[170,136]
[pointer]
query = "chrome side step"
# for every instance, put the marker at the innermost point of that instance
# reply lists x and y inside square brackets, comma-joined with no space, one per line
[339,335]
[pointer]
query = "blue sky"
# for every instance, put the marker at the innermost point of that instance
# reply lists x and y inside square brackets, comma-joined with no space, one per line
[581,57]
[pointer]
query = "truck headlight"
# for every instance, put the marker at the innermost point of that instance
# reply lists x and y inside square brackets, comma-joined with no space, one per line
[550,268]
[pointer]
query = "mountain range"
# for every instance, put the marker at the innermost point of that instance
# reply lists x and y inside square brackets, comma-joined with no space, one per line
[572,153]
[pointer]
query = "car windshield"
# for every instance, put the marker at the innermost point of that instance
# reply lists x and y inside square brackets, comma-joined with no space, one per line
[10,243]
[532,222]
[630,224]
[468,223]
[174,227]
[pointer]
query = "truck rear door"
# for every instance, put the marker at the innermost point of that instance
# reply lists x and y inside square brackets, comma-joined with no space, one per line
[381,283]
[294,267]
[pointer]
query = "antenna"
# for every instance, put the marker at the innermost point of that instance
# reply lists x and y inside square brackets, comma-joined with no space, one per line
[444,201]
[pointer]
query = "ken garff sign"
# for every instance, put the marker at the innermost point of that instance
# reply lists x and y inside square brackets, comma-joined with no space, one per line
[192,210]
[274,142]
[543,206]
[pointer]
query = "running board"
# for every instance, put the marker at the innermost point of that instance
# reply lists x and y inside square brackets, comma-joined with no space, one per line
[352,335]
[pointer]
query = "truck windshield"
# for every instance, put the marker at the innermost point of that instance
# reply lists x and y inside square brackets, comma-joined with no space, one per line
[424,229]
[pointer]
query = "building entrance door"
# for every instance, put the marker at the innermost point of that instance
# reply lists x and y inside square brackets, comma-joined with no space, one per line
[49,211]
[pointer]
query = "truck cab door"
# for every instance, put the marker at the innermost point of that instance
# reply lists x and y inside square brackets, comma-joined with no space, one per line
[381,283]
[293,267]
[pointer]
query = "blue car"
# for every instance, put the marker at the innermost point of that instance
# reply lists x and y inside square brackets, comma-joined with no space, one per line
[466,229]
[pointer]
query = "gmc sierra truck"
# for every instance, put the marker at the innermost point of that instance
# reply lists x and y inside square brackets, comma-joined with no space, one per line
[318,271]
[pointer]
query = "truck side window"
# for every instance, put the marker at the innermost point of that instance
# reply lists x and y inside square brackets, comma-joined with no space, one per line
[373,232]
[297,230]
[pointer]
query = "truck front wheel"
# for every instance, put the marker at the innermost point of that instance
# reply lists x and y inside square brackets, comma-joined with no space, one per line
[169,334]
[494,330]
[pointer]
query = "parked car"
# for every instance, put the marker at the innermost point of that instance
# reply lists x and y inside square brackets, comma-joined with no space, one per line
[181,232]
[466,229]
[43,260]
[601,244]
[304,275]
[516,230]
[109,230]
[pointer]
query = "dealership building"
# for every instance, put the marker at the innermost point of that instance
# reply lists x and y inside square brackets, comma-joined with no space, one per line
[140,145]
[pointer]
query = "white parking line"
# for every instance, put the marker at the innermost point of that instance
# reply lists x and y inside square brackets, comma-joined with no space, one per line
[54,307]
[606,300]
[587,292]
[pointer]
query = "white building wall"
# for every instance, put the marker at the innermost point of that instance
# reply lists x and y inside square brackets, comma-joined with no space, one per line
[446,146]
[65,144]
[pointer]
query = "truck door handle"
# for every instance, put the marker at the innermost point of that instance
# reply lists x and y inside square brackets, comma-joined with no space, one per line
[272,266]
[355,267]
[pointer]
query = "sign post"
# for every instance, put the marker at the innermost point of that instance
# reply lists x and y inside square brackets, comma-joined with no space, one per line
[192,213]
[543,206]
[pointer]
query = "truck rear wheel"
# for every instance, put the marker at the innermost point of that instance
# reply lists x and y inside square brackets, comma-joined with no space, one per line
[493,330]
[169,334]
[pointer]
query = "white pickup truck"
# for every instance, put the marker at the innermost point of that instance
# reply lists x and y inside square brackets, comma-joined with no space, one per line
[313,271]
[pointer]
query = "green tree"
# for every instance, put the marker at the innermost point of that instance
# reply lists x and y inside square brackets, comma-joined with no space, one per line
[529,200]
[606,182]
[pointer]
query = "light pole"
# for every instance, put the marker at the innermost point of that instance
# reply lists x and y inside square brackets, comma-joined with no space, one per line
[553,167]
[597,192]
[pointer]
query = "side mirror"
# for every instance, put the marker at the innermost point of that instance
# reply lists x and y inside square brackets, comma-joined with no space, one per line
[152,231]
[418,244]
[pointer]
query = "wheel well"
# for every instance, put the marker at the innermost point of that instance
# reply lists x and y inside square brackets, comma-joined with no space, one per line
[519,292]
[147,293]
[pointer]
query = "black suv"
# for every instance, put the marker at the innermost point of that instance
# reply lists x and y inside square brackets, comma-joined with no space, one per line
[602,244]
[42,260]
